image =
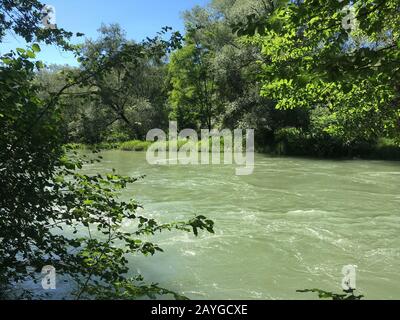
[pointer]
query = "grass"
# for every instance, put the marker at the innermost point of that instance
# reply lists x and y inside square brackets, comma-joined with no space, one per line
[102,145]
[138,145]
[135,145]
[385,149]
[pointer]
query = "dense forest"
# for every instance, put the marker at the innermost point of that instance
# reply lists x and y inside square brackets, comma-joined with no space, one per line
[307,84]
[311,78]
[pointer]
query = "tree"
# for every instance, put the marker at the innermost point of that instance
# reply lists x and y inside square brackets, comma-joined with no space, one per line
[131,86]
[214,72]
[317,55]
[25,18]
[190,88]
[53,214]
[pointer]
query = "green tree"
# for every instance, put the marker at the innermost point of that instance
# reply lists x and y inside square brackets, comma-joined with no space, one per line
[315,55]
[191,88]
[25,19]
[130,94]
[217,73]
[214,72]
[53,214]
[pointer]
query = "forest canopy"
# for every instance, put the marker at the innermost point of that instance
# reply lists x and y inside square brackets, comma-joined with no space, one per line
[311,77]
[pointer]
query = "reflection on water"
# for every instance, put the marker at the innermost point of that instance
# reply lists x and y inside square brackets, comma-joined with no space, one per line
[291,225]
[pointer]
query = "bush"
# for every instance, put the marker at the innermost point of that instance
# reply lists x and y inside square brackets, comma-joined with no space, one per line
[107,145]
[291,141]
[116,137]
[75,146]
[135,145]
[387,149]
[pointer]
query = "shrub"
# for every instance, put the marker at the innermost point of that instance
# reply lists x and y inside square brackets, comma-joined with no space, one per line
[135,145]
[291,141]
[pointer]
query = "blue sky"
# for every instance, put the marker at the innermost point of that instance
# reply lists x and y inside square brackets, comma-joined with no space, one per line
[139,18]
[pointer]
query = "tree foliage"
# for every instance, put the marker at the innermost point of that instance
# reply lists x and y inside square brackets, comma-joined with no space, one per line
[25,19]
[52,213]
[316,55]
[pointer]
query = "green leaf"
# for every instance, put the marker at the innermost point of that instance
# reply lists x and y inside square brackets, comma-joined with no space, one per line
[35,47]
[30,54]
[7,61]
[88,202]
[39,64]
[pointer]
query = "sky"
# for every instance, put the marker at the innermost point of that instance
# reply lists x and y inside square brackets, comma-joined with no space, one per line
[139,18]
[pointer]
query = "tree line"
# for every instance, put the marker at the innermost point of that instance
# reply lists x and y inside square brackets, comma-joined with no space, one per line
[291,70]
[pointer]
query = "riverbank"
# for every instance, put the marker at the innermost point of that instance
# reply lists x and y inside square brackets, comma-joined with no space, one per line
[384,149]
[139,145]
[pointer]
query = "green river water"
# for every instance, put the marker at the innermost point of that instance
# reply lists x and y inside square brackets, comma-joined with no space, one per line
[292,224]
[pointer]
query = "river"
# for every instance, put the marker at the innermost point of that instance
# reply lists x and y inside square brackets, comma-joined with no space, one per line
[292,224]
